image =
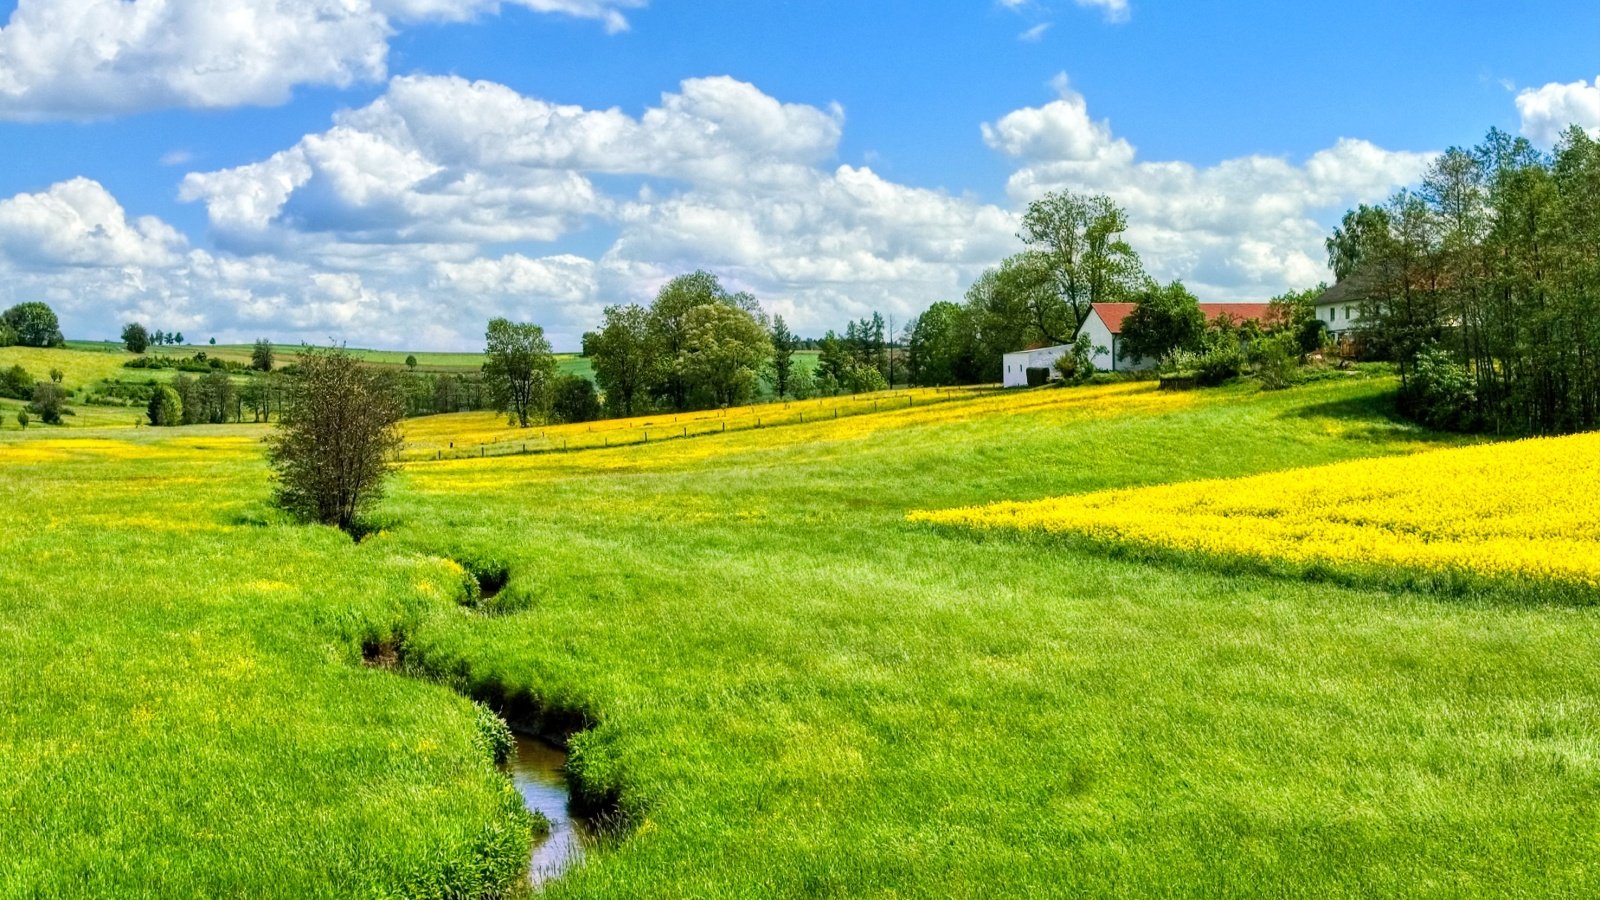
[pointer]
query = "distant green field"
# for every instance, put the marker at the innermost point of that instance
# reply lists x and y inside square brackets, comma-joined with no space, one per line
[794,692]
[285,354]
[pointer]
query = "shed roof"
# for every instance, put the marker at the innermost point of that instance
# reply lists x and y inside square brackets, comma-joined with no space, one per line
[1113,314]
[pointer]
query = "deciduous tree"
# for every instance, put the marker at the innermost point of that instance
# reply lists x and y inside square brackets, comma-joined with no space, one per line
[625,359]
[135,338]
[35,325]
[520,370]
[337,438]
[1165,319]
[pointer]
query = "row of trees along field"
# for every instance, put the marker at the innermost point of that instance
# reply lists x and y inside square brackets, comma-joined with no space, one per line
[1484,286]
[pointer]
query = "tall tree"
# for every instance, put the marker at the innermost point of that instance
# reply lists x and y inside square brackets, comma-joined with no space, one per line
[1080,244]
[669,321]
[783,343]
[35,325]
[833,360]
[625,359]
[724,349]
[1487,276]
[520,369]
[135,339]
[940,348]
[261,356]
[337,438]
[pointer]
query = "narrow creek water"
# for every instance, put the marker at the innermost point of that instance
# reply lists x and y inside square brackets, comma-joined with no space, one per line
[538,770]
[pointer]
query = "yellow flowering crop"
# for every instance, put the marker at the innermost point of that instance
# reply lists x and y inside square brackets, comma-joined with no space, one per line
[461,433]
[1522,510]
[974,409]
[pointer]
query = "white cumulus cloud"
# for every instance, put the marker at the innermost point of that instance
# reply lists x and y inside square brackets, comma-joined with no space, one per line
[91,58]
[1549,110]
[412,220]
[1244,228]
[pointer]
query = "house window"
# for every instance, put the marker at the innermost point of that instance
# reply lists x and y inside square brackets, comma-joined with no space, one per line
[1347,313]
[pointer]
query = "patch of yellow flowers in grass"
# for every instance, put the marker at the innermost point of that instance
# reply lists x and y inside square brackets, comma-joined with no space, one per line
[976,409]
[462,432]
[1524,510]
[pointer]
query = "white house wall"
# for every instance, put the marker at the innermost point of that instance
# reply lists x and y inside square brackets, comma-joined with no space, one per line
[1017,364]
[1100,336]
[1340,317]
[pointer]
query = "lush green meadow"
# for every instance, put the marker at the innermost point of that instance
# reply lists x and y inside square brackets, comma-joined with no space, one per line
[793,690]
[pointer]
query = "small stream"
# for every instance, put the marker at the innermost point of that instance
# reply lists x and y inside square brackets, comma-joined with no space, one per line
[538,770]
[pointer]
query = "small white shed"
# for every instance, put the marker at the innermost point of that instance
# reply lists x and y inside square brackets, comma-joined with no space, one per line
[1017,364]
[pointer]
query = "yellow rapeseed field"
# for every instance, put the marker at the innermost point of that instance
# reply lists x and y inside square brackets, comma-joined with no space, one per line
[1521,510]
[467,432]
[1047,407]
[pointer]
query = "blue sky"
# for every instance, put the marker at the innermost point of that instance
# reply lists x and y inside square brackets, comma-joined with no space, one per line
[1206,120]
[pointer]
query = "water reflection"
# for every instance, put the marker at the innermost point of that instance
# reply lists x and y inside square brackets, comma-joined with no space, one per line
[537,768]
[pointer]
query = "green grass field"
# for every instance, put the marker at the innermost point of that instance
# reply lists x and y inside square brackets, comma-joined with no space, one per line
[793,691]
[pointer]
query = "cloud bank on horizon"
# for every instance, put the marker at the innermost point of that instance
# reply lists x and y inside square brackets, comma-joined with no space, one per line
[412,219]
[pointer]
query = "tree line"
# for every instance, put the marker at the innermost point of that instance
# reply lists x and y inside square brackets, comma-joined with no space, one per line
[1483,285]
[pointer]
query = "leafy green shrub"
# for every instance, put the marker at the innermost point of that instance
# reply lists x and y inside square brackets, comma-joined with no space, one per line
[16,383]
[861,379]
[1077,365]
[22,418]
[574,400]
[1441,393]
[1312,335]
[165,408]
[1275,360]
[49,402]
[801,385]
[135,338]
[1220,362]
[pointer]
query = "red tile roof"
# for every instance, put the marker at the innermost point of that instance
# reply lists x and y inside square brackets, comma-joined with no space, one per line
[1113,313]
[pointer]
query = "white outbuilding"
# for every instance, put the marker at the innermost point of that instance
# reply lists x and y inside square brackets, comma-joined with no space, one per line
[1017,364]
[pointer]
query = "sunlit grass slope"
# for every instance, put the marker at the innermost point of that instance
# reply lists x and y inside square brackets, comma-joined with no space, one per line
[801,694]
[796,691]
[80,368]
[183,709]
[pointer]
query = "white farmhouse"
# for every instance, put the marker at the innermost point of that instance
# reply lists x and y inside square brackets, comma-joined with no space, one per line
[1104,328]
[1340,306]
[1017,364]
